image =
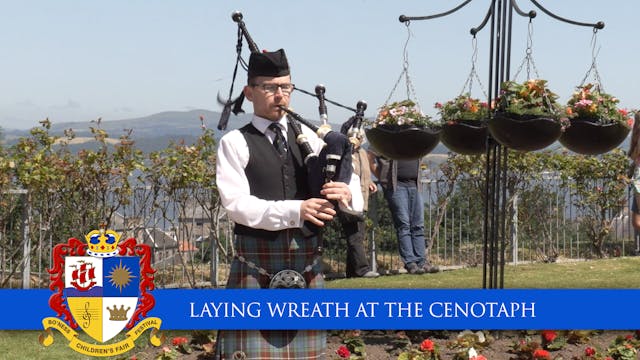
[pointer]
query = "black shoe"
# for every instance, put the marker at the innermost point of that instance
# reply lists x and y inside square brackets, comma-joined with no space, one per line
[431,269]
[414,269]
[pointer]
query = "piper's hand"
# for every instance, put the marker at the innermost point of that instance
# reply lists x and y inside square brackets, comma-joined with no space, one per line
[317,211]
[338,191]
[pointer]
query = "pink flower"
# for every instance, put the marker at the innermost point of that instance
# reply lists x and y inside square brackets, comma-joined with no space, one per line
[589,351]
[427,345]
[343,352]
[583,103]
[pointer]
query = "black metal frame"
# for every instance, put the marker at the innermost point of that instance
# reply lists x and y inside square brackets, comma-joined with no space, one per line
[500,16]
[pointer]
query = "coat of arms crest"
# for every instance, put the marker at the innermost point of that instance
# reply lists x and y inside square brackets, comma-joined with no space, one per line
[101,287]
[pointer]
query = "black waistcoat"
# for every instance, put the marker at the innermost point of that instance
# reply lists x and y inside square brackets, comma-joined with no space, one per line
[270,177]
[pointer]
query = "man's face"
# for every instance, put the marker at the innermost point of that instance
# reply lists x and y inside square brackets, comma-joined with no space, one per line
[266,93]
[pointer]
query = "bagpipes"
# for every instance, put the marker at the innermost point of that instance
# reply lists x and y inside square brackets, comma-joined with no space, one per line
[334,161]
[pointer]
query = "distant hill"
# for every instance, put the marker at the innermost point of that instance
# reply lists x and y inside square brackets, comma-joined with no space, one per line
[150,133]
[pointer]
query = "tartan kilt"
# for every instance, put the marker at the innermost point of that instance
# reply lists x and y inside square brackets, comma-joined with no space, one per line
[273,256]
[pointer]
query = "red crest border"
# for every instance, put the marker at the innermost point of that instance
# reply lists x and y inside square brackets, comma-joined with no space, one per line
[75,247]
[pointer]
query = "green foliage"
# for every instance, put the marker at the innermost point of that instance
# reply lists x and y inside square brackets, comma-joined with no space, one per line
[426,350]
[529,98]
[404,112]
[597,185]
[466,341]
[600,185]
[588,101]
[623,348]
[463,107]
[354,342]
[67,193]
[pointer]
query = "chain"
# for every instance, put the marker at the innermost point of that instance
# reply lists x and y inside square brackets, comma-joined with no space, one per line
[474,74]
[264,272]
[595,50]
[528,59]
[411,91]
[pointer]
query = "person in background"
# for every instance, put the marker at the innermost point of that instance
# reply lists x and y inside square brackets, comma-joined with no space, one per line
[402,190]
[354,227]
[262,182]
[634,154]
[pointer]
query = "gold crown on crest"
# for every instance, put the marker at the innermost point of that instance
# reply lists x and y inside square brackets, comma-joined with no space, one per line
[102,243]
[118,314]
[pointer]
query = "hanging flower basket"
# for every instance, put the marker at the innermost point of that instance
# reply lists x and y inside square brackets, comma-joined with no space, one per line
[403,142]
[591,137]
[524,132]
[597,125]
[526,117]
[467,137]
[464,128]
[402,132]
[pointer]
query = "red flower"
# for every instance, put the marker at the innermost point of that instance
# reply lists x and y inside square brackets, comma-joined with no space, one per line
[177,341]
[427,345]
[629,337]
[589,351]
[549,335]
[541,354]
[343,352]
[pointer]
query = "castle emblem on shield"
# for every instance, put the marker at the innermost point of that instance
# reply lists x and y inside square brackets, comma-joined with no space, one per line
[100,287]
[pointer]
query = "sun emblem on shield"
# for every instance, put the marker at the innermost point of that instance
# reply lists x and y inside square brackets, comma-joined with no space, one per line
[101,288]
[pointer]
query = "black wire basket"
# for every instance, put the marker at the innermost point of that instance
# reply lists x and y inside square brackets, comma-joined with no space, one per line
[403,142]
[524,132]
[589,136]
[467,137]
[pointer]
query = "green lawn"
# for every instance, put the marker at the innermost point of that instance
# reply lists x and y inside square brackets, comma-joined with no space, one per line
[613,273]
[609,273]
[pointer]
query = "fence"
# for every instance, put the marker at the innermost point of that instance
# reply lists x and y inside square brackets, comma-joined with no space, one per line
[192,246]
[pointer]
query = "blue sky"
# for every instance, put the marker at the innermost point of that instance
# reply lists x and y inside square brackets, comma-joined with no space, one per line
[73,60]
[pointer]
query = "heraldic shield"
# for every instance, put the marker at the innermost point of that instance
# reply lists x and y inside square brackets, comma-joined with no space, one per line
[102,294]
[100,287]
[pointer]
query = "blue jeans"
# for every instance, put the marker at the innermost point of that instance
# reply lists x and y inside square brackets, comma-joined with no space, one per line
[407,210]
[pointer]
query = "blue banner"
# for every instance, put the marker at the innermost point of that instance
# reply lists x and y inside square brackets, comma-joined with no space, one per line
[364,309]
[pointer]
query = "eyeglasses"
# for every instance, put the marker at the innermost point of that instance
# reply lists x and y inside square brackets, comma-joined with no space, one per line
[273,88]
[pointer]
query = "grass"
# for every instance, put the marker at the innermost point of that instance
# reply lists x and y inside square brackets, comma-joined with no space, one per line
[615,273]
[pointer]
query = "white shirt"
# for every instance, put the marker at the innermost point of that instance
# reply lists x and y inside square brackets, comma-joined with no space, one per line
[233,185]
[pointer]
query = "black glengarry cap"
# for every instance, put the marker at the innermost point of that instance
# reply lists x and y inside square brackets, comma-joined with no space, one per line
[272,64]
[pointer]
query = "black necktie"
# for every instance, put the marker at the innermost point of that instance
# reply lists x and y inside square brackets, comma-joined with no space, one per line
[279,141]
